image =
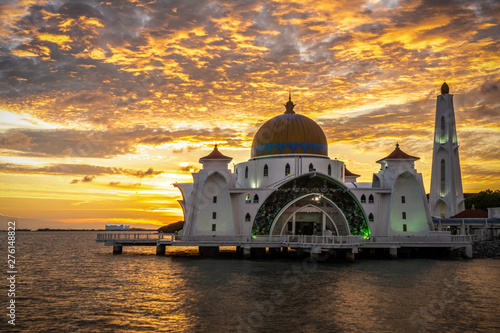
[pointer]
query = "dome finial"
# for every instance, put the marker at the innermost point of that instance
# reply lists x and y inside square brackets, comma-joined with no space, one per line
[445,89]
[289,105]
[397,145]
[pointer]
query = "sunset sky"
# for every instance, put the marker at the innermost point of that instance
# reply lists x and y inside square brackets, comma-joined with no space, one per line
[103,105]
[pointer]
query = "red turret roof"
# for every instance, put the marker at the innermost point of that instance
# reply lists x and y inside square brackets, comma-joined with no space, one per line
[216,155]
[398,154]
[471,214]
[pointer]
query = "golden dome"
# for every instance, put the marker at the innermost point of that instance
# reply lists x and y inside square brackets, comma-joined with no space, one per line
[289,133]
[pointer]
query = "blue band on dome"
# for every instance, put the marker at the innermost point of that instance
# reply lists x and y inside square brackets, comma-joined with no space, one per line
[293,146]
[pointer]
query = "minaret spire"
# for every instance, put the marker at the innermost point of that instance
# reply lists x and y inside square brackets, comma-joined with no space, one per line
[446,197]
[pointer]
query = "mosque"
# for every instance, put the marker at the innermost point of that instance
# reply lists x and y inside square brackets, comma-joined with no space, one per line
[290,186]
[291,195]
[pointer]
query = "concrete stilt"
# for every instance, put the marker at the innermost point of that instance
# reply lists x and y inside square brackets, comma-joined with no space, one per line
[468,252]
[315,252]
[117,249]
[349,256]
[284,249]
[247,252]
[393,252]
[160,249]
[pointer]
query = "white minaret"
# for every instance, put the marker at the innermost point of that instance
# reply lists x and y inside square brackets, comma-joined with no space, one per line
[446,197]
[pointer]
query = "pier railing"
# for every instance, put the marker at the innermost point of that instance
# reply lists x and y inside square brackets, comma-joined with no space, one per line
[423,239]
[306,240]
[101,237]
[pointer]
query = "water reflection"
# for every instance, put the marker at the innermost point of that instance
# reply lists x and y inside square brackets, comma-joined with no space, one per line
[69,283]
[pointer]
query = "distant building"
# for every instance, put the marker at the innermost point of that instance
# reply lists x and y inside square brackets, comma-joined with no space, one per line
[116,227]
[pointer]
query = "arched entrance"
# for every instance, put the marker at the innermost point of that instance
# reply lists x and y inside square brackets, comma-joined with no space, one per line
[311,214]
[339,204]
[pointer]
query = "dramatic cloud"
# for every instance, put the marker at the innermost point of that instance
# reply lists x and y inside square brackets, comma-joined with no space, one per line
[76,169]
[151,85]
[189,168]
[101,144]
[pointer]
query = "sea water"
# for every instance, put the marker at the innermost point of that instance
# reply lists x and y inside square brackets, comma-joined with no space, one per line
[66,282]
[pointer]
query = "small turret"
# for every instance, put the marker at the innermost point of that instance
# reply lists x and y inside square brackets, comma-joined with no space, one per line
[289,105]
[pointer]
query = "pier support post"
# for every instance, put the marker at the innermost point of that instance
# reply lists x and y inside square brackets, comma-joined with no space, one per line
[393,252]
[160,249]
[315,252]
[284,249]
[468,252]
[349,256]
[117,249]
[247,252]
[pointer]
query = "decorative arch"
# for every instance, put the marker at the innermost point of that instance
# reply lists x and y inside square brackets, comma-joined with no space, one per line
[256,198]
[371,199]
[316,203]
[247,217]
[363,198]
[248,198]
[370,217]
[318,184]
[246,172]
[311,167]
[287,169]
[443,130]
[329,169]
[440,207]
[443,178]
[266,171]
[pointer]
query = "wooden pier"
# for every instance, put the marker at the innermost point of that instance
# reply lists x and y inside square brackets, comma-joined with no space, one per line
[209,245]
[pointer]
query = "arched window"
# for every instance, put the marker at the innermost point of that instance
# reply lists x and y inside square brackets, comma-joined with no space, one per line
[256,199]
[247,217]
[287,170]
[370,199]
[329,169]
[266,170]
[363,199]
[311,167]
[248,199]
[370,217]
[443,130]
[246,172]
[443,178]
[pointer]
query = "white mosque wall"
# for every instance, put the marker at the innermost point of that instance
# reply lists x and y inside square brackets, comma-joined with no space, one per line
[212,213]
[409,214]
[375,203]
[252,174]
